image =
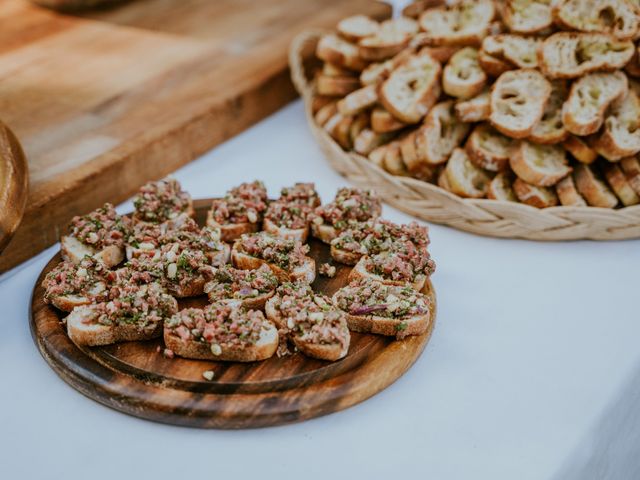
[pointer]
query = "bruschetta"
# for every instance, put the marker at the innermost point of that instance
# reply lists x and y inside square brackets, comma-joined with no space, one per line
[252,288]
[71,285]
[134,312]
[240,211]
[374,307]
[301,193]
[311,322]
[100,234]
[222,331]
[143,238]
[287,220]
[161,201]
[350,204]
[286,257]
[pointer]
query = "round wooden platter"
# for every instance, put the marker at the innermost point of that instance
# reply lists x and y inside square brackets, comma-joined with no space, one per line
[135,378]
[14,184]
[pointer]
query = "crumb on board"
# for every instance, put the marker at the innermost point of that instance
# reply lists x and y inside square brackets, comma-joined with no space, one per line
[208,374]
[327,270]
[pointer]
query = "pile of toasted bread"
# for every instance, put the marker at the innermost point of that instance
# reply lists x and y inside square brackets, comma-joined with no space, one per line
[531,101]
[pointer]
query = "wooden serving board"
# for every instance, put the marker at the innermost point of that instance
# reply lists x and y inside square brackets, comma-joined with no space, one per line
[135,378]
[106,101]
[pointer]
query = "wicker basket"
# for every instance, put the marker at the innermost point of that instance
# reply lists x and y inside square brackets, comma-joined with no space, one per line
[432,203]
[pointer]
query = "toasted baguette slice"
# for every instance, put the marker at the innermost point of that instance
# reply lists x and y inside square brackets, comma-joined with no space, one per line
[320,101]
[616,17]
[443,181]
[518,99]
[539,197]
[85,331]
[412,88]
[592,188]
[539,165]
[230,231]
[378,71]
[357,27]
[568,193]
[392,161]
[360,272]
[74,251]
[331,48]
[464,178]
[590,96]
[463,24]
[519,51]
[620,136]
[579,149]
[571,55]
[336,86]
[392,37]
[489,149]
[415,8]
[500,188]
[325,113]
[409,152]
[494,67]
[439,54]
[550,129]
[527,16]
[341,132]
[368,140]
[376,313]
[360,122]
[619,184]
[294,233]
[303,273]
[384,122]
[440,134]
[631,168]
[463,77]
[331,70]
[475,109]
[181,341]
[358,100]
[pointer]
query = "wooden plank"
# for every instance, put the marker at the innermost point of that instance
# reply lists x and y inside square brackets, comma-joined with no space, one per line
[133,377]
[107,101]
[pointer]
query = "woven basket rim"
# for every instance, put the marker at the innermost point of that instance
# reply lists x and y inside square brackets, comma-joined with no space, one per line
[480,216]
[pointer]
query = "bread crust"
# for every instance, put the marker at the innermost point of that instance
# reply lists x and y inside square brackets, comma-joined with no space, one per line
[582,114]
[464,178]
[331,48]
[592,188]
[441,133]
[631,168]
[620,136]
[500,188]
[358,100]
[539,197]
[539,165]
[579,149]
[489,149]
[463,77]
[568,193]
[231,231]
[336,86]
[619,184]
[74,251]
[518,99]
[494,67]
[384,122]
[475,109]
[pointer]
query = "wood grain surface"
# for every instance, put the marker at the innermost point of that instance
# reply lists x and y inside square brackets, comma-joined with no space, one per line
[14,184]
[135,379]
[105,101]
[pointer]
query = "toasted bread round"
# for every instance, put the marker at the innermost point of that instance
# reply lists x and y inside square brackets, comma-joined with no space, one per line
[74,251]
[571,54]
[231,231]
[392,161]
[84,332]
[616,17]
[620,136]
[360,122]
[475,109]
[550,129]
[465,23]
[377,156]
[359,271]
[619,184]
[385,44]
[325,112]
[331,48]
[494,67]
[412,88]
[517,50]
[518,99]
[463,77]
[527,16]
[489,149]
[592,188]
[336,86]
[264,348]
[579,149]
[384,122]
[296,233]
[539,165]
[368,140]
[500,188]
[440,134]
[568,193]
[443,181]
[590,96]
[358,100]
[323,232]
[67,303]
[539,197]
[464,178]
[320,101]
[631,168]
[357,27]
[409,152]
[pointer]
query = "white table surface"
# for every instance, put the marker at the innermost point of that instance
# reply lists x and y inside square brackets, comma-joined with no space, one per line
[533,371]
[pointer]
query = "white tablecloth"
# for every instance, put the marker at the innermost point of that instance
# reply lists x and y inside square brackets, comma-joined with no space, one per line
[533,371]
